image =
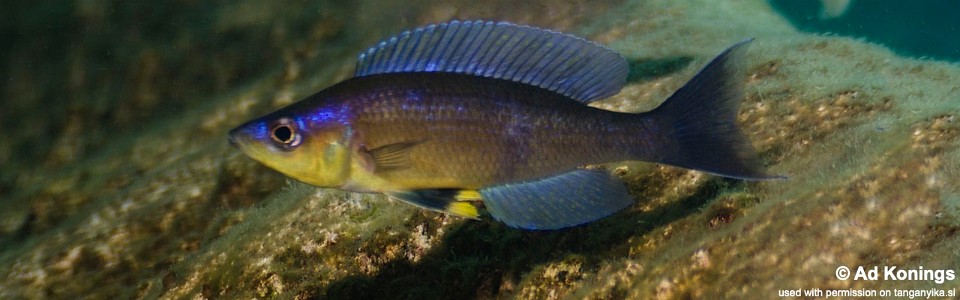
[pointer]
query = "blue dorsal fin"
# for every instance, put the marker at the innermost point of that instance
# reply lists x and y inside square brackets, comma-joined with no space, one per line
[569,65]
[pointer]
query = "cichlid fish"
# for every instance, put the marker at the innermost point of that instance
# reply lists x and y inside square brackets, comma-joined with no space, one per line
[448,115]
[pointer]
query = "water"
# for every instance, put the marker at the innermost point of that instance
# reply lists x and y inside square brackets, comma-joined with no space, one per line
[912,28]
[117,181]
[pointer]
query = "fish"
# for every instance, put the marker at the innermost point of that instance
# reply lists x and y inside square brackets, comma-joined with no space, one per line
[470,116]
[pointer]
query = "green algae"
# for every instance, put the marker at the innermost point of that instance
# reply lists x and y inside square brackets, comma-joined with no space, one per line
[148,205]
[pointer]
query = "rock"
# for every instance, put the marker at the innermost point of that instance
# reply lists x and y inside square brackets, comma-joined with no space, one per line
[150,201]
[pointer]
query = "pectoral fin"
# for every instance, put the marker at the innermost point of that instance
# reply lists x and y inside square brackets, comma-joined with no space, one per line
[560,201]
[391,157]
[451,201]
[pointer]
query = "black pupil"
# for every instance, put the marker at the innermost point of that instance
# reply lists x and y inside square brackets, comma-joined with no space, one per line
[283,134]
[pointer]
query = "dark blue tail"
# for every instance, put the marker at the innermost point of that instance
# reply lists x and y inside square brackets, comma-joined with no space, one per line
[700,122]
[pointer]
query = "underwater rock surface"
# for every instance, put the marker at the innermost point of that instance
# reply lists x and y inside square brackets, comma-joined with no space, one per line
[118,182]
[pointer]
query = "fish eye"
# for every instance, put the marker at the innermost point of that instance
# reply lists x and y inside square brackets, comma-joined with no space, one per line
[284,134]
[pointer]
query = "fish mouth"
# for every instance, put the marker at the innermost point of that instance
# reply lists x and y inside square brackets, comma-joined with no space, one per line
[240,139]
[236,138]
[232,140]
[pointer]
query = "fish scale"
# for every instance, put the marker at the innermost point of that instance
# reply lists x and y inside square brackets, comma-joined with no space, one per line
[452,113]
[489,141]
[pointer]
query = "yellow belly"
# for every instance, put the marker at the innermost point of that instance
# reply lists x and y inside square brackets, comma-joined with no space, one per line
[363,179]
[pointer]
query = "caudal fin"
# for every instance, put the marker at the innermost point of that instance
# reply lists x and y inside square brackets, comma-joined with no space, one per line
[699,120]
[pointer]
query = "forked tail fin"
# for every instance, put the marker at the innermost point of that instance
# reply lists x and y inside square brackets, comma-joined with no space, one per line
[699,120]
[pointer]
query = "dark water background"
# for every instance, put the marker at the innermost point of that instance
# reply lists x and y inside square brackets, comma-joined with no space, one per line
[929,28]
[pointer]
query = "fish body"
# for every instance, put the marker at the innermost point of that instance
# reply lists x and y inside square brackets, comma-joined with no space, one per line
[472,132]
[455,113]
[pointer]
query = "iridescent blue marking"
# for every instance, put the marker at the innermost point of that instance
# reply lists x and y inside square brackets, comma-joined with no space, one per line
[414,96]
[301,124]
[321,116]
[261,131]
[325,117]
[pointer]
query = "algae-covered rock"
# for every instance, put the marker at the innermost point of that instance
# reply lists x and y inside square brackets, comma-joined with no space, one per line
[118,182]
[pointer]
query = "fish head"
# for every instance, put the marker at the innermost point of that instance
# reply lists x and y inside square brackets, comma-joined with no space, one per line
[306,148]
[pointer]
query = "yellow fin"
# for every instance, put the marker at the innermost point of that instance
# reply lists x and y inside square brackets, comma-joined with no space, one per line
[463,209]
[451,201]
[468,195]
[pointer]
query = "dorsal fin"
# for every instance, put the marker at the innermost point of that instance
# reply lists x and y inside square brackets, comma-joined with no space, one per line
[568,65]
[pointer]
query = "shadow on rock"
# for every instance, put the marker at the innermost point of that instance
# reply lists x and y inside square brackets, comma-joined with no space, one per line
[486,259]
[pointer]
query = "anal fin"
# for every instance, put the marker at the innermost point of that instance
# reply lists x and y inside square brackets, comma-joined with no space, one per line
[451,201]
[564,200]
[468,195]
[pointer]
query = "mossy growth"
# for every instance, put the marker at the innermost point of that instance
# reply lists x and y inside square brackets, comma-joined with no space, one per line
[137,205]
